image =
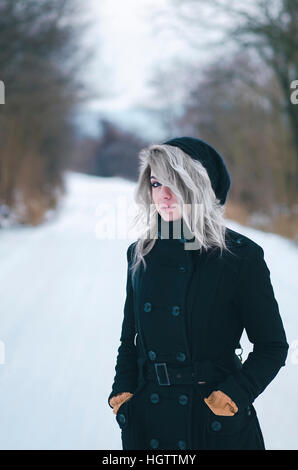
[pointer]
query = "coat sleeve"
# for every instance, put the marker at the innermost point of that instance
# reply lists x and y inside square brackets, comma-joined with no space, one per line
[125,379]
[263,324]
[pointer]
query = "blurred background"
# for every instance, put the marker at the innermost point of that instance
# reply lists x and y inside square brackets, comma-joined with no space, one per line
[85,86]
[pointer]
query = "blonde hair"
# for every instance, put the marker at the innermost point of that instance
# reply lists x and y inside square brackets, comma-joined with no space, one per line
[189,181]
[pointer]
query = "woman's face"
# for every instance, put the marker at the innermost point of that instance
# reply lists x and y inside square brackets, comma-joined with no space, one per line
[165,201]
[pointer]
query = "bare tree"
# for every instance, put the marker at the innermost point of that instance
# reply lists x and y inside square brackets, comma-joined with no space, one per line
[256,147]
[40,63]
[268,27]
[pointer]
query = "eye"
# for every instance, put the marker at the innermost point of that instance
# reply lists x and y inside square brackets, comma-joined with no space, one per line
[155,182]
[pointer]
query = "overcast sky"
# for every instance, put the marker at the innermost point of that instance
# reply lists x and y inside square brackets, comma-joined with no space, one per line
[128,49]
[131,42]
[133,38]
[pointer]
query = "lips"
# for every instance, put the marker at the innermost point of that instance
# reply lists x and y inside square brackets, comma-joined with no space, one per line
[164,206]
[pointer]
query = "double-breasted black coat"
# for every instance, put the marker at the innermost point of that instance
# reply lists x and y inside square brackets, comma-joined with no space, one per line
[183,319]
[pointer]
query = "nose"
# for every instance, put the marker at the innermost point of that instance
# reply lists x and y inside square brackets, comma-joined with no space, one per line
[165,192]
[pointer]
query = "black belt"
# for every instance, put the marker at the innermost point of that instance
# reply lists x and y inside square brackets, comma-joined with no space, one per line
[199,372]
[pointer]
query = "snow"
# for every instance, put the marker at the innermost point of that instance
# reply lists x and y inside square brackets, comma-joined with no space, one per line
[62,296]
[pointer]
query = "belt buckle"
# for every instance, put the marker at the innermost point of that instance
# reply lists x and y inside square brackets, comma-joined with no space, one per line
[165,371]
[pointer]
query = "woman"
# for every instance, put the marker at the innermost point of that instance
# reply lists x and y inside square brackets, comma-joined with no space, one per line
[193,285]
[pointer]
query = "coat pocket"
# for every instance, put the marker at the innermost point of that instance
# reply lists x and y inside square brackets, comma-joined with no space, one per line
[123,420]
[226,425]
[122,415]
[237,432]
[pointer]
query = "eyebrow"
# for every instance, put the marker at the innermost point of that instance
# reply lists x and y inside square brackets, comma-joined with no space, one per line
[153,177]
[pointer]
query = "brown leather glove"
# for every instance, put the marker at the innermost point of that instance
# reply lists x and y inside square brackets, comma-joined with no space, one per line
[117,400]
[221,404]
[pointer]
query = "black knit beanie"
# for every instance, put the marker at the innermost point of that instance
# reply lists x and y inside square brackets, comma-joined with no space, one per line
[210,159]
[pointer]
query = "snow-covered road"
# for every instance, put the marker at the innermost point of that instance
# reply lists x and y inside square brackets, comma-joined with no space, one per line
[62,291]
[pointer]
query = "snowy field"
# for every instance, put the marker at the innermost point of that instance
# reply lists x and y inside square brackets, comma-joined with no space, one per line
[62,297]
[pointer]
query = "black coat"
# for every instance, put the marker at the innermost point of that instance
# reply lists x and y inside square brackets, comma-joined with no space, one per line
[187,312]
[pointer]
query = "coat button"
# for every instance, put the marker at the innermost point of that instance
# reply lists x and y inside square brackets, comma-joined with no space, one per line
[175,310]
[182,269]
[182,444]
[180,356]
[154,443]
[152,355]
[147,307]
[239,241]
[183,399]
[154,397]
[121,418]
[216,426]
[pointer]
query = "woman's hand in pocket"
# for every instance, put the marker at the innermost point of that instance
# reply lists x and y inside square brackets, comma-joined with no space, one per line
[117,400]
[221,404]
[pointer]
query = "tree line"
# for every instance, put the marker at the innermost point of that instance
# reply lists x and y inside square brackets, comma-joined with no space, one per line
[40,62]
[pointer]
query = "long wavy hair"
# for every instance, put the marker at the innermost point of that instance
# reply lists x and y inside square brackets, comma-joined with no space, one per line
[189,181]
